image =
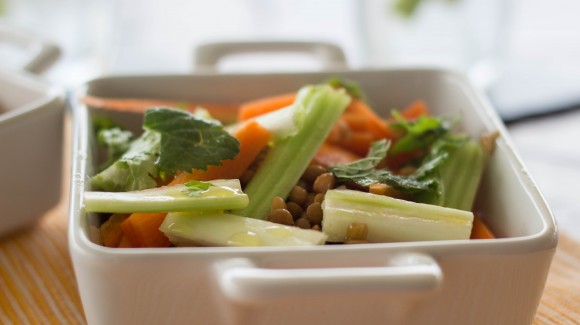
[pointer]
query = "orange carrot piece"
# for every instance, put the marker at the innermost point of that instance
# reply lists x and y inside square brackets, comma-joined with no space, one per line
[356,122]
[124,242]
[142,230]
[358,143]
[329,155]
[377,126]
[264,105]
[415,109]
[480,230]
[110,230]
[252,137]
[222,112]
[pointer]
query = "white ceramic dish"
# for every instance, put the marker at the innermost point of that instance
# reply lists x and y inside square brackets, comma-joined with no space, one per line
[447,282]
[31,134]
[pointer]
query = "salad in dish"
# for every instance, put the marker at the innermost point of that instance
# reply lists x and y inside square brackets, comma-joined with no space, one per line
[313,167]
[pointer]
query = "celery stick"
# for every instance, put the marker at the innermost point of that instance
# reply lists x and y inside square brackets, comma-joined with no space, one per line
[391,220]
[219,229]
[461,174]
[287,160]
[219,195]
[281,123]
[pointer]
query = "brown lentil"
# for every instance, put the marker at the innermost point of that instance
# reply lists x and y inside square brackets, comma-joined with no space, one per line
[314,213]
[312,172]
[277,203]
[294,209]
[407,170]
[302,223]
[281,216]
[316,227]
[357,231]
[380,189]
[309,200]
[319,197]
[298,195]
[323,183]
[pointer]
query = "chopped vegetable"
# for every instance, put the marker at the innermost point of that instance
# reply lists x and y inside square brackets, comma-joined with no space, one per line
[265,105]
[331,155]
[219,229]
[142,230]
[110,230]
[214,195]
[480,229]
[419,133]
[173,140]
[116,141]
[322,106]
[365,173]
[391,220]
[135,170]
[459,168]
[253,138]
[187,141]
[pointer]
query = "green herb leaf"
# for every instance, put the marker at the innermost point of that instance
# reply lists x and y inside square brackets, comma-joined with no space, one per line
[196,188]
[418,134]
[351,87]
[134,170]
[188,141]
[116,141]
[363,172]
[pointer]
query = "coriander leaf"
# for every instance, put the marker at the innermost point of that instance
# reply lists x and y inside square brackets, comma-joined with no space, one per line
[417,134]
[364,166]
[134,170]
[196,188]
[116,141]
[189,142]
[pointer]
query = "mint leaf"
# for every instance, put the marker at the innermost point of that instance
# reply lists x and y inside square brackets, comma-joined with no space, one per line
[418,134]
[364,173]
[189,142]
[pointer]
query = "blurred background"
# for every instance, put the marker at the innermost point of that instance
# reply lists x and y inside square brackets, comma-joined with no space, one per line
[524,54]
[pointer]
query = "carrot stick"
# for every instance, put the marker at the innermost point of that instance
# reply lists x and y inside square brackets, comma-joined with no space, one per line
[358,143]
[223,112]
[480,230]
[356,122]
[331,155]
[264,105]
[377,126]
[124,242]
[142,230]
[111,232]
[415,109]
[252,137]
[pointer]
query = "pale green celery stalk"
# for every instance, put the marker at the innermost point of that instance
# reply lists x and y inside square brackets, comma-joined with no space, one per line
[220,229]
[281,123]
[221,195]
[391,220]
[461,174]
[287,160]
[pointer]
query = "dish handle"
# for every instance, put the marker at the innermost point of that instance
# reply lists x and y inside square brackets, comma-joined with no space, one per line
[241,281]
[207,56]
[42,53]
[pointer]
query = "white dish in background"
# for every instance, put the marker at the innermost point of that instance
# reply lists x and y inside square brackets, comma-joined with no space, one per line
[496,281]
[31,132]
[31,143]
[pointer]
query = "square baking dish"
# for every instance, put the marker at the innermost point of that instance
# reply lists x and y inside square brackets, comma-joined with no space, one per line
[31,143]
[497,281]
